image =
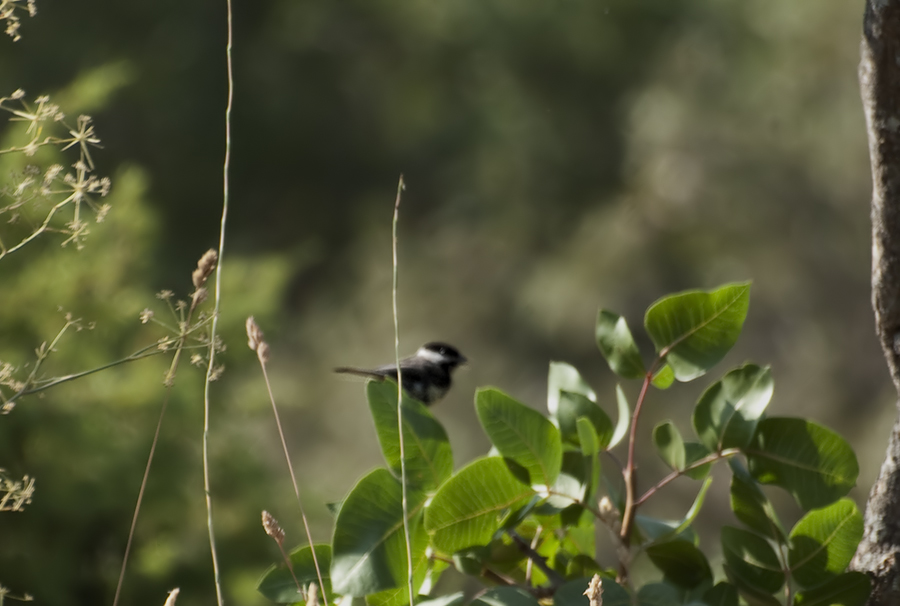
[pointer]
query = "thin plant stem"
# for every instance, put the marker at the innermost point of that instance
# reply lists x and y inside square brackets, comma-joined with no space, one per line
[711,458]
[533,556]
[630,472]
[287,457]
[404,503]
[40,230]
[140,498]
[144,352]
[169,381]
[290,567]
[215,321]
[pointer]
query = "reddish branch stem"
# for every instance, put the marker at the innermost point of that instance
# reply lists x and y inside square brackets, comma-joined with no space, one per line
[711,458]
[629,472]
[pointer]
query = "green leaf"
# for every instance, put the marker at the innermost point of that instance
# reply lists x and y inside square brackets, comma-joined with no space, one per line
[573,406]
[694,511]
[682,528]
[564,377]
[617,346]
[751,594]
[471,560]
[505,596]
[669,444]
[823,542]
[423,568]
[654,530]
[728,412]
[624,419]
[471,506]
[695,329]
[454,599]
[521,434]
[278,585]
[663,378]
[429,459]
[848,589]
[657,594]
[681,562]
[369,546]
[585,470]
[752,507]
[613,594]
[587,437]
[723,594]
[752,562]
[811,462]
[693,452]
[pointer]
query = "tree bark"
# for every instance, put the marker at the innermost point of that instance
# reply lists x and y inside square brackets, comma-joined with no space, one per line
[879,77]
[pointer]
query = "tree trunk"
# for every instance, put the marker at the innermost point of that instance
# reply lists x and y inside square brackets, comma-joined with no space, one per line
[879,77]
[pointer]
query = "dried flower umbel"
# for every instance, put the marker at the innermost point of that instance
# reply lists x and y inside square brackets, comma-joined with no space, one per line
[25,200]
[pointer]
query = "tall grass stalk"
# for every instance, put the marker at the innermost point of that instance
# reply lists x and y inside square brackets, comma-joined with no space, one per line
[409,563]
[257,344]
[218,297]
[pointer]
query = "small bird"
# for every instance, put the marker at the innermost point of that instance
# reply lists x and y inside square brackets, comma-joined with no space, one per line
[426,375]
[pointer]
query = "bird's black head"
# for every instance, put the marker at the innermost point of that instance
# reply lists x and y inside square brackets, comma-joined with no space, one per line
[441,353]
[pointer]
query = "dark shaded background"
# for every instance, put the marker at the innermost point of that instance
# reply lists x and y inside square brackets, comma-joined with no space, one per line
[560,156]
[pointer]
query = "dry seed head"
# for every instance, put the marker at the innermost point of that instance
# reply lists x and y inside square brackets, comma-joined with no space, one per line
[255,337]
[200,294]
[272,528]
[205,267]
[594,591]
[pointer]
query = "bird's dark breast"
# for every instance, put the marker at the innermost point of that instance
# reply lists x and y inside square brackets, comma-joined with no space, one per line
[425,389]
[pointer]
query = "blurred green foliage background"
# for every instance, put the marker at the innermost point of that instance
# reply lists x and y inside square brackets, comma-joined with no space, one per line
[560,156]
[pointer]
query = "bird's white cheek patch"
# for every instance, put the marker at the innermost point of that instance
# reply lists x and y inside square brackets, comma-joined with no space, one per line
[431,356]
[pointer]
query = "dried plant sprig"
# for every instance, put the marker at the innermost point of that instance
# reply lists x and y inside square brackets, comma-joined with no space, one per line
[15,494]
[45,125]
[594,591]
[186,328]
[274,530]
[256,342]
[173,595]
[6,595]
[9,12]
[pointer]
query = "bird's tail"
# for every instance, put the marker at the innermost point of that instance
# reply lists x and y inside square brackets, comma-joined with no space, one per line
[360,372]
